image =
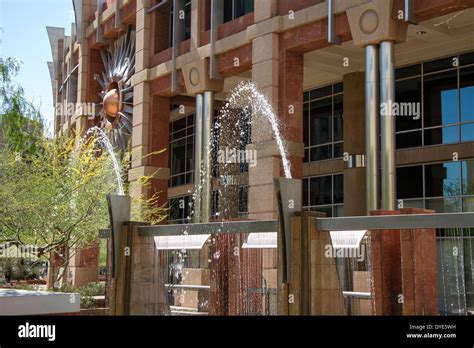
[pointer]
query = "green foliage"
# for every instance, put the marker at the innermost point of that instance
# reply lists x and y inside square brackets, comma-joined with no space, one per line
[87,292]
[54,198]
[146,207]
[20,121]
[53,190]
[29,287]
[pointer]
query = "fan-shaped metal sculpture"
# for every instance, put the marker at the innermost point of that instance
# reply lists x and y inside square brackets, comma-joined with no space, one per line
[117,92]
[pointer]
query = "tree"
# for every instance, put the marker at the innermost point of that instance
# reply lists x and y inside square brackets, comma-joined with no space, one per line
[54,198]
[20,121]
[53,191]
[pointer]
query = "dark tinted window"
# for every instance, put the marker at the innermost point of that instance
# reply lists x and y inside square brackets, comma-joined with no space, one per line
[467,94]
[410,182]
[320,190]
[439,64]
[234,9]
[321,121]
[408,71]
[440,99]
[338,185]
[443,179]
[409,91]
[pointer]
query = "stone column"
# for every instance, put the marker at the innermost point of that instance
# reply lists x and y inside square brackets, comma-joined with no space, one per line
[278,75]
[419,269]
[354,144]
[386,269]
[196,23]
[83,120]
[150,119]
[139,288]
[314,288]
[84,265]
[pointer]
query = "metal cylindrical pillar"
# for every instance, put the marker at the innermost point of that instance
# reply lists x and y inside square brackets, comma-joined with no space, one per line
[208,115]
[198,124]
[371,125]
[387,98]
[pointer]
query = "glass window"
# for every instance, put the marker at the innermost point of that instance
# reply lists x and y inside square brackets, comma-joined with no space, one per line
[443,179]
[321,122]
[243,201]
[447,102]
[409,71]
[444,205]
[321,190]
[338,115]
[338,150]
[467,94]
[181,151]
[442,135]
[305,96]
[338,189]
[409,139]
[305,123]
[305,192]
[466,59]
[178,151]
[467,132]
[320,153]
[324,194]
[180,209]
[440,99]
[410,182]
[338,88]
[408,91]
[320,92]
[234,9]
[468,177]
[439,64]
[323,115]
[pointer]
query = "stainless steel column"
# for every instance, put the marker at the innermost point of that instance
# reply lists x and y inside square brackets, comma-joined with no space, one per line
[208,113]
[198,159]
[372,108]
[387,98]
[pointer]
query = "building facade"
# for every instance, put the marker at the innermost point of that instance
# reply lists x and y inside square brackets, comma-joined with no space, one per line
[313,72]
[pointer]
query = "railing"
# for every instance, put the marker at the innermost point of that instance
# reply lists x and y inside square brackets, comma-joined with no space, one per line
[394,222]
[229,227]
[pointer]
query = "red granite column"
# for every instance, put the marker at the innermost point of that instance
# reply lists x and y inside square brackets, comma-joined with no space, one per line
[419,269]
[159,141]
[290,105]
[386,269]
[219,255]
[96,66]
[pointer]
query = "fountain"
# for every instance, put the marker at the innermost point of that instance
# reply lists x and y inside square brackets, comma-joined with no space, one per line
[246,95]
[104,141]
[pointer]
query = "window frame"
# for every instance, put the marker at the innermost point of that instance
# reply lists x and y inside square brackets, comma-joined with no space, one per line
[422,74]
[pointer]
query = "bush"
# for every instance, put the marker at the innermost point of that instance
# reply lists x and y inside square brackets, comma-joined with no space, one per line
[87,292]
[26,287]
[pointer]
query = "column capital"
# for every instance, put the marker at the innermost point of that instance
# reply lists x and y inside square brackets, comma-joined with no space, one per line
[197,80]
[374,22]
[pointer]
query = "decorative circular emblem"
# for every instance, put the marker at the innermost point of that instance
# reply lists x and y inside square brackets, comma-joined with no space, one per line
[112,105]
[116,115]
[194,77]
[369,22]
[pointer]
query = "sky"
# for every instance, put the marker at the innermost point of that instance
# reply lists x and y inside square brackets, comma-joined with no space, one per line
[23,36]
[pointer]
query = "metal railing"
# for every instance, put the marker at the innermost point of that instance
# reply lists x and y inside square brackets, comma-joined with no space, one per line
[395,222]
